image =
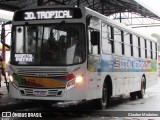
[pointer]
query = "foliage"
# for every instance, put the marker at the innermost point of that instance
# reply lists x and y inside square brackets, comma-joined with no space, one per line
[157,36]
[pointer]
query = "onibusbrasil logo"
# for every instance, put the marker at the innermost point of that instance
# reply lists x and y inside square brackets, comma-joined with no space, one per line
[20,114]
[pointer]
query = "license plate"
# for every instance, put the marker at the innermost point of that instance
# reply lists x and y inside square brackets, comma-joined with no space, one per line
[40,93]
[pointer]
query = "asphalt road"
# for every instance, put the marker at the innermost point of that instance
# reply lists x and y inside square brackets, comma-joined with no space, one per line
[120,109]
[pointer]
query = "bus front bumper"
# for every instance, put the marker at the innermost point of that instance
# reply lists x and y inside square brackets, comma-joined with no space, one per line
[71,96]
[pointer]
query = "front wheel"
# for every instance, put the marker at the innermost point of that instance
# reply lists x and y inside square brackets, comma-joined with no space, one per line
[101,103]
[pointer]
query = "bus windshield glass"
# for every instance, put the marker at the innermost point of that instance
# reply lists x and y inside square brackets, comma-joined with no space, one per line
[52,44]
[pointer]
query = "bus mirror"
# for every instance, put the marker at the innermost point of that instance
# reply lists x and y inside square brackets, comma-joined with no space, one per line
[88,19]
[3,37]
[95,37]
[2,34]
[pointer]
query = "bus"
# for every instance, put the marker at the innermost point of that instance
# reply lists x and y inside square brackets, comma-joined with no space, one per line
[70,54]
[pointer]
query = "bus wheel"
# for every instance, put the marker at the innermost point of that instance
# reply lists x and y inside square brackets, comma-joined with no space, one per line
[133,95]
[101,103]
[140,94]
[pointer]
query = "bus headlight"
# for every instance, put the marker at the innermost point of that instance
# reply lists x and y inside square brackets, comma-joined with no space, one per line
[79,79]
[70,84]
[73,82]
[14,83]
[11,78]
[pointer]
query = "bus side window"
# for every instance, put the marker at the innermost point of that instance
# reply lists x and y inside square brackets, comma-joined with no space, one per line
[107,39]
[118,41]
[154,50]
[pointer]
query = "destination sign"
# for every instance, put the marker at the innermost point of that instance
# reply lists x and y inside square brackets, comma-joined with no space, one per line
[24,58]
[52,14]
[47,14]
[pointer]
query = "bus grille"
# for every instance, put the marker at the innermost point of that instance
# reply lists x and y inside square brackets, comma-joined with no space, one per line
[51,93]
[42,72]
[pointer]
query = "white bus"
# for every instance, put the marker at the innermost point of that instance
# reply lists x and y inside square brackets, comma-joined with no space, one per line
[74,54]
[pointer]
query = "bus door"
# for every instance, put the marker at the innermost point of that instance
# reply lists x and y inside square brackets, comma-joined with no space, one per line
[93,57]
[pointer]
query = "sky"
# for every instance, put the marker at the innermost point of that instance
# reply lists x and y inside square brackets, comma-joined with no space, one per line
[6,12]
[153,4]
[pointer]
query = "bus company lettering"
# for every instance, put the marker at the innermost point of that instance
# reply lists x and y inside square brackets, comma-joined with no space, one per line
[128,64]
[47,14]
[26,81]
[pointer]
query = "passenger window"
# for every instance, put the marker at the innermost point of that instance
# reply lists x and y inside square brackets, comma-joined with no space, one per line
[107,40]
[142,42]
[148,49]
[154,51]
[135,46]
[118,41]
[127,43]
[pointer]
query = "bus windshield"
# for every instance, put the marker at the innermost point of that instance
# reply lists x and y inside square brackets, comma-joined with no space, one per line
[52,44]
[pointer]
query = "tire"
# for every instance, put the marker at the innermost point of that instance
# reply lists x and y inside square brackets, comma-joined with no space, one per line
[133,95]
[101,103]
[140,94]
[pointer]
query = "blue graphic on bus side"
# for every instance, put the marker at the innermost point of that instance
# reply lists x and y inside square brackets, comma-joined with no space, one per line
[112,63]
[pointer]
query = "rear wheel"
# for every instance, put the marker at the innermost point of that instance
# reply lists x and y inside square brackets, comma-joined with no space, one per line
[140,94]
[133,95]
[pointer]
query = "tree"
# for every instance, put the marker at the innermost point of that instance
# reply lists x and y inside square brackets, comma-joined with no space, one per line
[157,36]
